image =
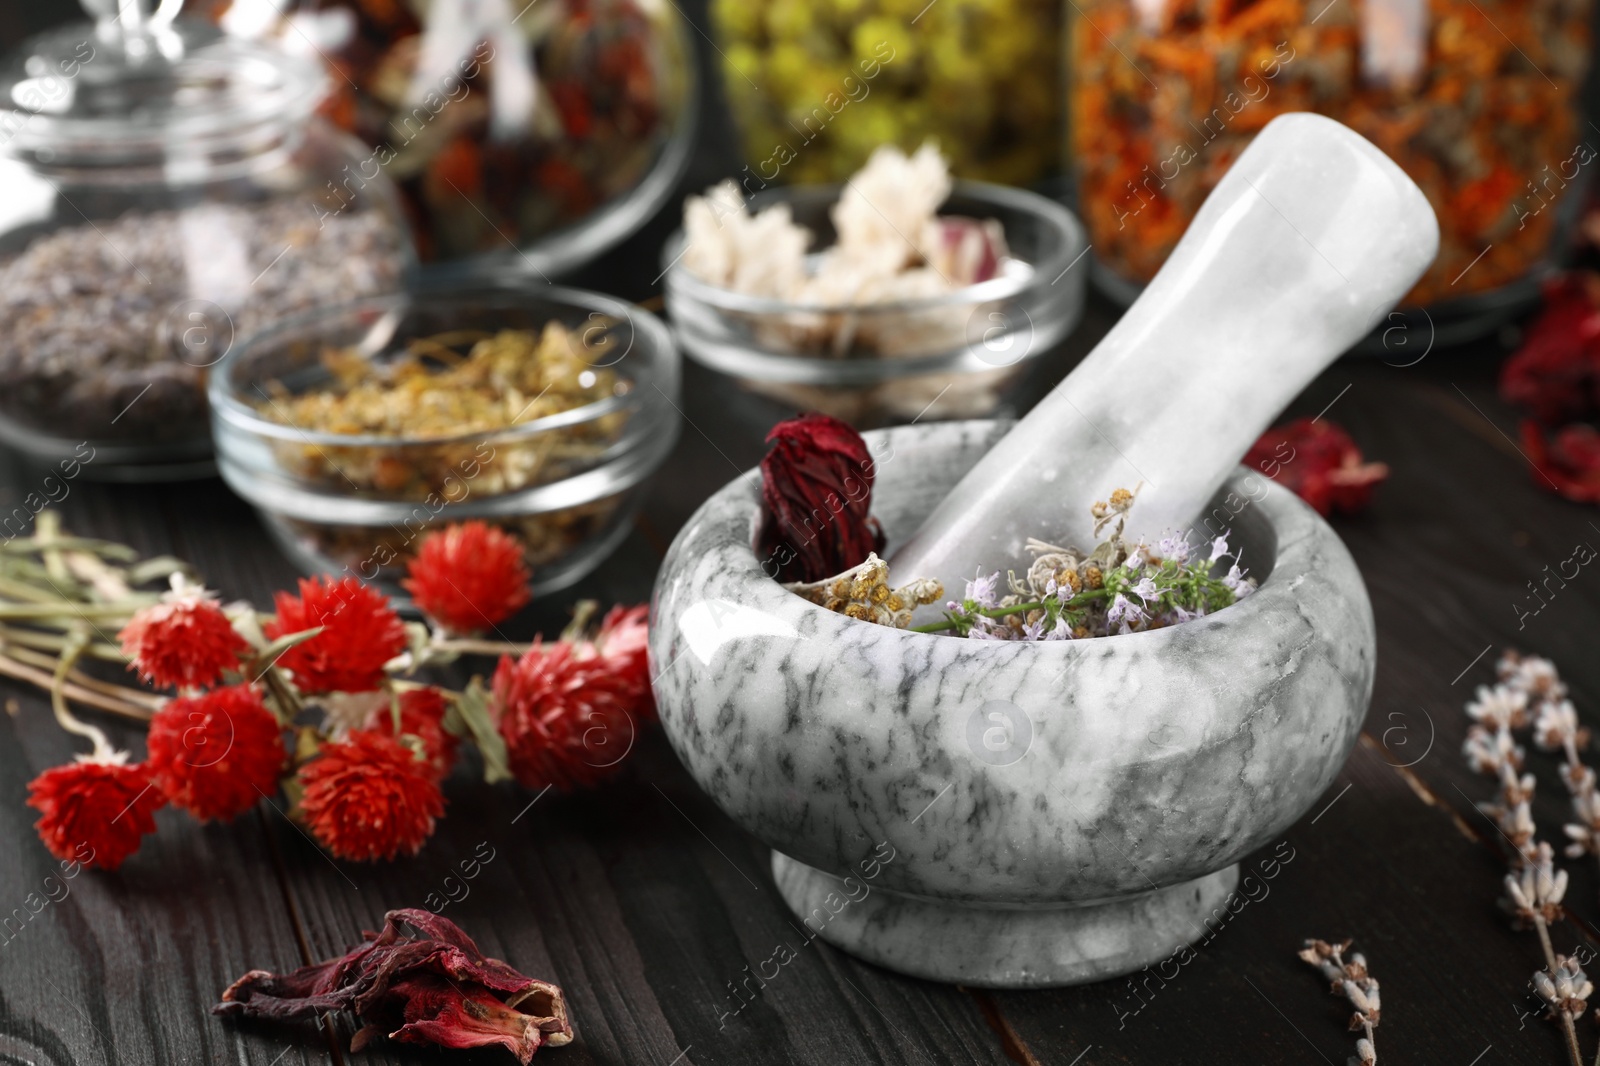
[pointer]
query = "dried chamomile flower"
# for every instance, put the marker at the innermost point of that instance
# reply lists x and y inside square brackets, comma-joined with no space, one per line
[863,592]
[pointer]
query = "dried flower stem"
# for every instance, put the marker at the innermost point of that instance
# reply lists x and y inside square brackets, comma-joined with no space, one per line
[58,699]
[1350,979]
[135,698]
[44,679]
[1535,888]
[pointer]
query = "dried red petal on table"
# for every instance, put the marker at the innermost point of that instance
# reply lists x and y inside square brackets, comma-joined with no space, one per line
[396,985]
[95,811]
[469,577]
[214,755]
[566,715]
[185,641]
[1317,460]
[1555,374]
[361,632]
[454,1015]
[369,797]
[816,500]
[1569,459]
[422,714]
[623,642]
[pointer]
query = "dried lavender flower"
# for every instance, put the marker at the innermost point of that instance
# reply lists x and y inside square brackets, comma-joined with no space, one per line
[1351,979]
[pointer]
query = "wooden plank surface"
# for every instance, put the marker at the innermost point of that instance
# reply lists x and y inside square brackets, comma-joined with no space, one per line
[645,902]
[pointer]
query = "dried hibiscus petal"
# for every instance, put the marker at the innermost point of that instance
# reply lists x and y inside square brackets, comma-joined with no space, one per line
[1568,459]
[454,1014]
[393,983]
[1555,374]
[1317,461]
[816,499]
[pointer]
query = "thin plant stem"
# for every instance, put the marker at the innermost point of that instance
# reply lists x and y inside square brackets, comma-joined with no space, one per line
[138,697]
[1080,600]
[58,701]
[63,614]
[477,647]
[1550,964]
[30,638]
[43,679]
[289,708]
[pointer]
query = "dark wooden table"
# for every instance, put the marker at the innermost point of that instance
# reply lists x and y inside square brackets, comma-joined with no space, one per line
[644,902]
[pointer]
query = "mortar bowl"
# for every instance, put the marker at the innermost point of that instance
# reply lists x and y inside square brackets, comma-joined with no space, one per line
[1009,814]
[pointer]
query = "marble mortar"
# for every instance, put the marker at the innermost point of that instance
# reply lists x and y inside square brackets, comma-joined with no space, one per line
[1059,812]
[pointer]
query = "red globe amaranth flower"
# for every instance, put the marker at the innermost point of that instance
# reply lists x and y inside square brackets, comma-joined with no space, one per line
[1317,460]
[361,632]
[1568,459]
[1555,374]
[101,804]
[422,713]
[623,642]
[469,577]
[566,715]
[368,797]
[214,755]
[185,641]
[816,499]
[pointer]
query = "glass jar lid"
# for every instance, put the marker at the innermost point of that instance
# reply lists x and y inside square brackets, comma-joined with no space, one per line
[134,81]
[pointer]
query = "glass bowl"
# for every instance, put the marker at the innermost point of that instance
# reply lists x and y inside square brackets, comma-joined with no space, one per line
[957,355]
[566,484]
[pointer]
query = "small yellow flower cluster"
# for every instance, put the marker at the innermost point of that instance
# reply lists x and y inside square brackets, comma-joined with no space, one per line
[863,593]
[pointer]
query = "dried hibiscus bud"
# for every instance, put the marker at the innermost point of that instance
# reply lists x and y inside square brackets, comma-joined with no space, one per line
[1317,461]
[433,988]
[816,499]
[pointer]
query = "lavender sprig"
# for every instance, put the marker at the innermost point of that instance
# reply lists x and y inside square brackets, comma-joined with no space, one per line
[1529,690]
[1351,979]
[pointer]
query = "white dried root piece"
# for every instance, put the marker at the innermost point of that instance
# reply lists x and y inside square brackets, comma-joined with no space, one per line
[893,247]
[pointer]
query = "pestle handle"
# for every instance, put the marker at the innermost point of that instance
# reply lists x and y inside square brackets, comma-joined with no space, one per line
[1307,241]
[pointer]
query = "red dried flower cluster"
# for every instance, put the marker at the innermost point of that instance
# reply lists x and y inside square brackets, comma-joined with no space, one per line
[370,797]
[367,781]
[469,578]
[1317,460]
[422,715]
[1555,377]
[567,714]
[214,755]
[434,988]
[623,641]
[185,641]
[816,500]
[361,633]
[99,802]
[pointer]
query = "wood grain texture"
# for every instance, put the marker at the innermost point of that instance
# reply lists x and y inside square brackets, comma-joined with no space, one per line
[646,903]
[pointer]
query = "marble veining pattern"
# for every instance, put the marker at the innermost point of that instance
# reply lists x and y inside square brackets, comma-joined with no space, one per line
[1137,762]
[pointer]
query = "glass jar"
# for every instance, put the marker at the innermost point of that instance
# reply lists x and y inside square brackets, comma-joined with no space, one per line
[816,85]
[1475,99]
[539,134]
[163,191]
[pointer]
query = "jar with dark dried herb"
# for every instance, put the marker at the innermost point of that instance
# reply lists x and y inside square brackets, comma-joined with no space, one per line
[167,191]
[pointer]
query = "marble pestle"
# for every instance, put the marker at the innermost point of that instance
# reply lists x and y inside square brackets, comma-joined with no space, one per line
[1307,241]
